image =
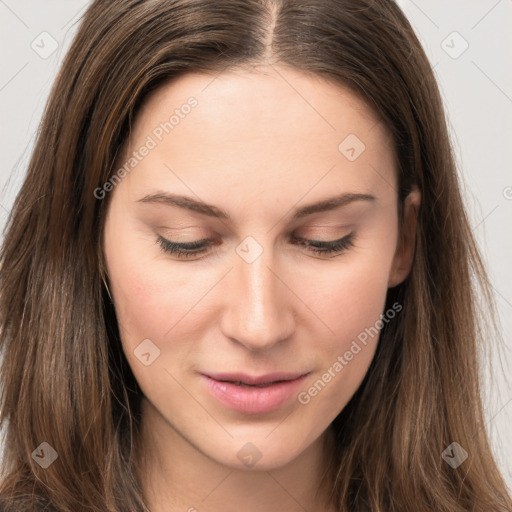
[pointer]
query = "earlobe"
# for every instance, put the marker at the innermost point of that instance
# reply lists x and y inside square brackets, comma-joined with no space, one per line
[404,255]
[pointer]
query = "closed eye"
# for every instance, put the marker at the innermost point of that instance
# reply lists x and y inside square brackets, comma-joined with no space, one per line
[198,247]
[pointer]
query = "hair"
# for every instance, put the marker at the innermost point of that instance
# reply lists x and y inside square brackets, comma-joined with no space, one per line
[64,377]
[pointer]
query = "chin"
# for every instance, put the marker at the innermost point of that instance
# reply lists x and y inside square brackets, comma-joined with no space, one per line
[265,453]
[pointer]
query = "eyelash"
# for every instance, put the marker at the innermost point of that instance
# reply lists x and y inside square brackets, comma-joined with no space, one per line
[197,247]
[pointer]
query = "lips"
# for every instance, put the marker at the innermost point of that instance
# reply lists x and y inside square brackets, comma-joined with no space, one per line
[249,380]
[251,394]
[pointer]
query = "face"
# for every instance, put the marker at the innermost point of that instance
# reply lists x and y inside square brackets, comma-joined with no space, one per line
[249,249]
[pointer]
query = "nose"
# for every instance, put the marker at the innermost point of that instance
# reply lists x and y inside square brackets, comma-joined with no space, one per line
[259,306]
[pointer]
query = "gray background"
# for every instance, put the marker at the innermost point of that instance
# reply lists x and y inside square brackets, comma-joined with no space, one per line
[476,84]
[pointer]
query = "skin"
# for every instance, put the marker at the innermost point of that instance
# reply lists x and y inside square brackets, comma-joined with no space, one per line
[258,148]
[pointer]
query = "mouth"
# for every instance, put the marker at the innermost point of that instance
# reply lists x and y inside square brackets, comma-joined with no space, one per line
[244,384]
[250,394]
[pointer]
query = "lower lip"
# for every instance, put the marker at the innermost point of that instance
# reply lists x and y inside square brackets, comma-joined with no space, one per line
[253,400]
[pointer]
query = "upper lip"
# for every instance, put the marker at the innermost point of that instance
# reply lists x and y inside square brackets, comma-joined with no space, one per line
[268,378]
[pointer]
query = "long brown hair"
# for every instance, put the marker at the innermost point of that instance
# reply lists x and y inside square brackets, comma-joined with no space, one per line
[65,380]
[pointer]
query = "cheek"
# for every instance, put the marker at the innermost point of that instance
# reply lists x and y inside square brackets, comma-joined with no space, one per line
[353,309]
[153,303]
[350,294]
[350,299]
[150,296]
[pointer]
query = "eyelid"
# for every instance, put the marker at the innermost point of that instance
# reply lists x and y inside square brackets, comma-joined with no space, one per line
[329,232]
[327,248]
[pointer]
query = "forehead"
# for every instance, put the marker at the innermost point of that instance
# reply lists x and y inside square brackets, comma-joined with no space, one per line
[272,128]
[259,102]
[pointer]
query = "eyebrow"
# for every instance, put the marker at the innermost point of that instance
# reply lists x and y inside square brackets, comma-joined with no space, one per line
[213,211]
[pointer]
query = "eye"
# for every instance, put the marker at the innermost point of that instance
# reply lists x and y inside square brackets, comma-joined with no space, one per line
[336,246]
[184,250]
[191,249]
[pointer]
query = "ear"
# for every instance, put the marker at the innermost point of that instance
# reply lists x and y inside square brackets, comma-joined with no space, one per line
[404,255]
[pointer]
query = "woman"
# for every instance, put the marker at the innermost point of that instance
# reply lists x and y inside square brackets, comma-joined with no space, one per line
[239,272]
